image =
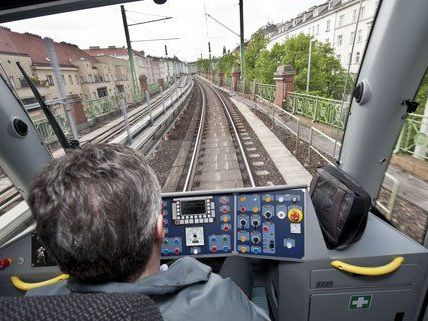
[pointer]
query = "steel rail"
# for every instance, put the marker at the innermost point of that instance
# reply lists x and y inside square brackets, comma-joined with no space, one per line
[198,141]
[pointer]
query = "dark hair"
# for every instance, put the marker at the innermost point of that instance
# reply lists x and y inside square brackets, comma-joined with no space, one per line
[96,211]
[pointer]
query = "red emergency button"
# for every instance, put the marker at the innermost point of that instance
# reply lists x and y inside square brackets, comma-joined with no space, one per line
[226,228]
[243,209]
[295,215]
[177,251]
[225,210]
[213,248]
[265,228]
[4,263]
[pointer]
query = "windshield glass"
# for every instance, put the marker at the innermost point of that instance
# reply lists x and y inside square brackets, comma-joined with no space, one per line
[296,74]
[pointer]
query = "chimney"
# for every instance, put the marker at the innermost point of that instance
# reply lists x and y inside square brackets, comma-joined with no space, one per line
[111,47]
[94,47]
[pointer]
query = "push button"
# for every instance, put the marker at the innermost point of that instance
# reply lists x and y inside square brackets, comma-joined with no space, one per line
[295,215]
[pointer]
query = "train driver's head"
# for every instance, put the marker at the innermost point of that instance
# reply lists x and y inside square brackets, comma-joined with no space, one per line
[97,211]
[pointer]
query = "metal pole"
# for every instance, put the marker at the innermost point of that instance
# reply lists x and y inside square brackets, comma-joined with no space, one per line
[309,66]
[163,99]
[130,54]
[125,118]
[150,106]
[241,47]
[58,79]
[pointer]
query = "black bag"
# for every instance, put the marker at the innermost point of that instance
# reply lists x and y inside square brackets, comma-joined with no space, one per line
[341,205]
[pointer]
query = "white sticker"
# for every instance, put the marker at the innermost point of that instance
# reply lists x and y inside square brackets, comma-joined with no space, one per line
[295,228]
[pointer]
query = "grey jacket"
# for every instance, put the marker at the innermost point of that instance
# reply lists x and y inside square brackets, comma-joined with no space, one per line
[187,291]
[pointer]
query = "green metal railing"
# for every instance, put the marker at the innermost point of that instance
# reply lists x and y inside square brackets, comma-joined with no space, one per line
[266,91]
[228,82]
[45,129]
[154,89]
[324,110]
[412,140]
[240,86]
[97,107]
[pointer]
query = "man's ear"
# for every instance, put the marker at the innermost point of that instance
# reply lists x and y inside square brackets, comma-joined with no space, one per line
[160,231]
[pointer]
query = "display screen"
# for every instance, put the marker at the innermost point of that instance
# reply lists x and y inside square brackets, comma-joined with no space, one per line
[193,207]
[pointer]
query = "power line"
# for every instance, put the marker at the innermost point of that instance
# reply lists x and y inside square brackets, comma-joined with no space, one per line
[158,39]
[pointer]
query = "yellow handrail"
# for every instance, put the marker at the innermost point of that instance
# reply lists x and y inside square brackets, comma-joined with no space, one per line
[25,286]
[373,271]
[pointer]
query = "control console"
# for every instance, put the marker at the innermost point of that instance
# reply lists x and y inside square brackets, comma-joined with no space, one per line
[258,222]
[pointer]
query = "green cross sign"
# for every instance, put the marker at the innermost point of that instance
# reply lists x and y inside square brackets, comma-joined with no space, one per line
[357,302]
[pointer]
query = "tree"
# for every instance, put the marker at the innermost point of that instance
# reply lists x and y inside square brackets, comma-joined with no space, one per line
[252,53]
[227,62]
[203,64]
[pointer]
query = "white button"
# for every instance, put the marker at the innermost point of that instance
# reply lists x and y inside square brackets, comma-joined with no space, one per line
[191,221]
[211,220]
[205,220]
[196,220]
[181,221]
[186,221]
[281,215]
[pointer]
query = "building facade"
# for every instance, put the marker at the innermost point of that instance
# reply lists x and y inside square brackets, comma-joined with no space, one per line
[335,22]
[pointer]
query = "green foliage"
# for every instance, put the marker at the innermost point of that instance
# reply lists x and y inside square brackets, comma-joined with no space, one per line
[422,94]
[227,62]
[327,77]
[252,53]
[203,64]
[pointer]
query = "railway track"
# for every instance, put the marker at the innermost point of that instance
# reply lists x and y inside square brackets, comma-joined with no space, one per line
[217,159]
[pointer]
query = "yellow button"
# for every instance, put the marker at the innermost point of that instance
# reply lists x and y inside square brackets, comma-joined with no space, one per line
[268,199]
[225,219]
[243,249]
[243,198]
[255,209]
[243,239]
[295,215]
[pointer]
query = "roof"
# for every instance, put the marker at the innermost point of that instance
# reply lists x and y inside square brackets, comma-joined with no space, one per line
[33,45]
[111,51]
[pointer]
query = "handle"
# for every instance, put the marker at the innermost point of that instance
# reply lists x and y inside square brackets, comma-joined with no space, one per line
[25,286]
[372,271]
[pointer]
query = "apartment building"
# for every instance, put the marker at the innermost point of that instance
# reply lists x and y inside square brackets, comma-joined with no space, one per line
[333,22]
[142,64]
[81,74]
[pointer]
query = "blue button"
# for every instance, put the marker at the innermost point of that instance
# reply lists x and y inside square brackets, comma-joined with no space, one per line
[225,248]
[213,239]
[176,241]
[165,251]
[256,251]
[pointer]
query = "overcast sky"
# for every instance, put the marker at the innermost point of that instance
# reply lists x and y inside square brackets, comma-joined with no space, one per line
[103,26]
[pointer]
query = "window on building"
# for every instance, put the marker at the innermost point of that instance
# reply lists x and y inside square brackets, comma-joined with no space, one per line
[63,79]
[90,78]
[70,79]
[50,80]
[318,29]
[339,40]
[351,39]
[354,15]
[327,28]
[77,79]
[357,57]
[338,57]
[360,36]
[349,57]
[341,20]
[81,79]
[309,30]
[313,30]
[362,12]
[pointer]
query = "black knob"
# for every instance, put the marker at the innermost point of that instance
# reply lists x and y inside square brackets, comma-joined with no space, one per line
[20,127]
[268,214]
[256,240]
[255,223]
[243,222]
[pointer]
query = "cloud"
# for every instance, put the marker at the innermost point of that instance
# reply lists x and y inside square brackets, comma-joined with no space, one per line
[103,26]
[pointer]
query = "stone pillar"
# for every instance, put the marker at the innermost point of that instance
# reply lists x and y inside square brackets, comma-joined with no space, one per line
[221,79]
[284,79]
[143,83]
[161,83]
[77,110]
[235,77]
[213,76]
